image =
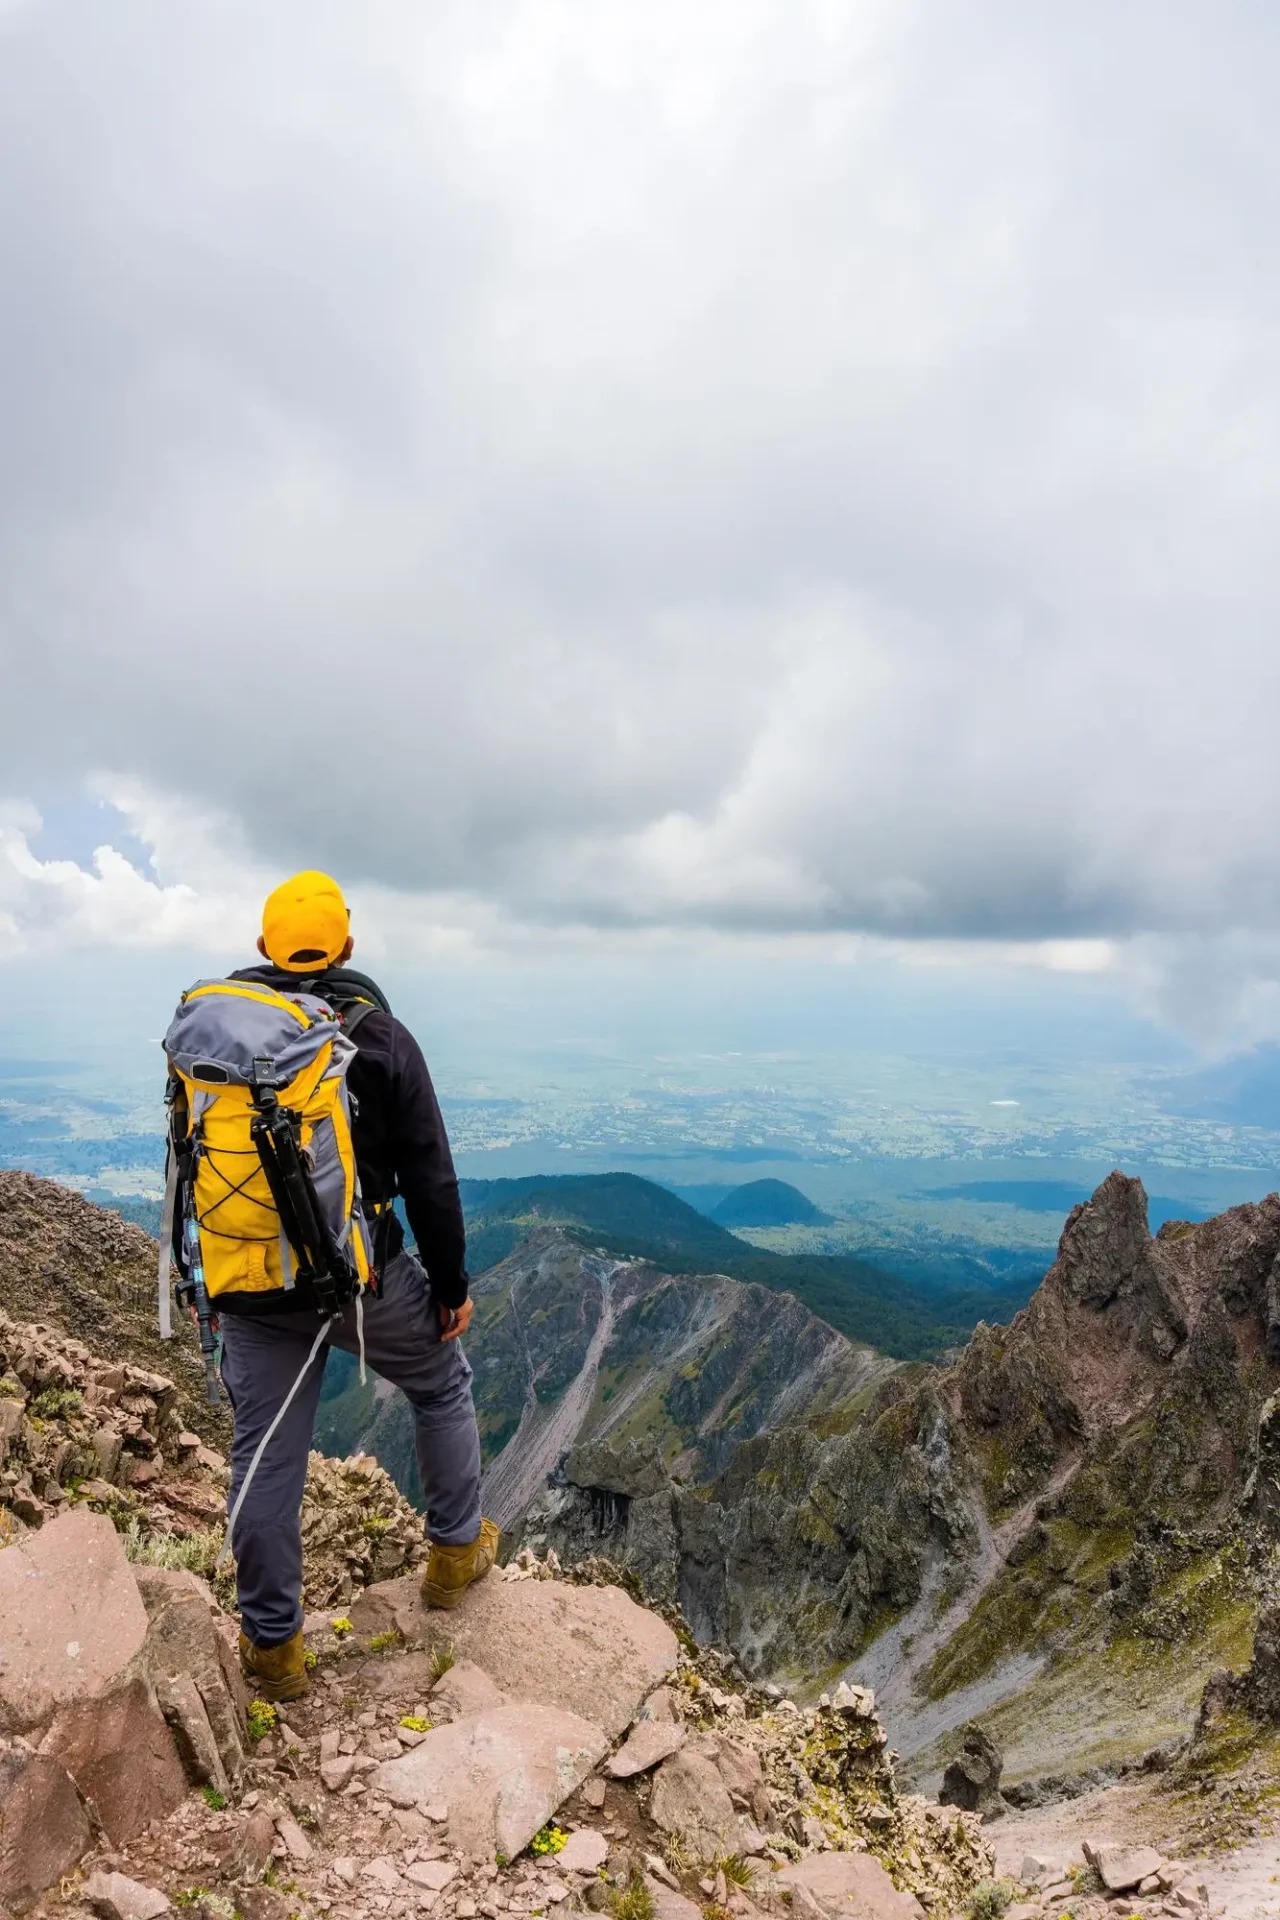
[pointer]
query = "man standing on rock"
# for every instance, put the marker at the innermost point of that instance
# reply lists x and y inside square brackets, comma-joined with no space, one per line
[409,1331]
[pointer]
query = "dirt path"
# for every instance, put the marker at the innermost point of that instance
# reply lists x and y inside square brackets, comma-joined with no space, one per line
[519,1473]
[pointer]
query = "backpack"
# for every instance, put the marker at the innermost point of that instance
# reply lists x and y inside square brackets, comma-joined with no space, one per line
[261,1160]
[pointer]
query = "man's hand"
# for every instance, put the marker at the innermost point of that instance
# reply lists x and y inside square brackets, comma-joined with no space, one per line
[454,1321]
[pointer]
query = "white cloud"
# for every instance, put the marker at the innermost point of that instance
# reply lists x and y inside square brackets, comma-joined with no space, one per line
[754,471]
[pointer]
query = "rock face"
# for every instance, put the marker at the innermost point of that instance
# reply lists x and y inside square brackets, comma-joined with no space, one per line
[707,1360]
[190,1659]
[972,1780]
[109,1698]
[45,1826]
[1062,1485]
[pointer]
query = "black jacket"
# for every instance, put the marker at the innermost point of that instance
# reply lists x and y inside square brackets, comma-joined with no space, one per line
[398,1131]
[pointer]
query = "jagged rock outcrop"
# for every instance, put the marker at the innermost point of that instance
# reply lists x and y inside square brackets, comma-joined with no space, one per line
[972,1780]
[78,1431]
[801,1545]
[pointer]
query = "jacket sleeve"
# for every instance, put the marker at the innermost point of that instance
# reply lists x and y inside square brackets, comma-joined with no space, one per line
[424,1170]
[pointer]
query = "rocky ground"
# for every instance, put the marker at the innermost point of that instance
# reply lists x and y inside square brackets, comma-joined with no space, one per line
[549,1744]
[1048,1845]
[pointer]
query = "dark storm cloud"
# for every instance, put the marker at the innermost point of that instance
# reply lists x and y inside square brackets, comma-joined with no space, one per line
[804,466]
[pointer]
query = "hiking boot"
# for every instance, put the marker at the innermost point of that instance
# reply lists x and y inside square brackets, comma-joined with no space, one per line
[275,1673]
[451,1570]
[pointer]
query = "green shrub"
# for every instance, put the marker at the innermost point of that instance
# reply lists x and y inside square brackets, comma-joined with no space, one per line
[632,1902]
[990,1898]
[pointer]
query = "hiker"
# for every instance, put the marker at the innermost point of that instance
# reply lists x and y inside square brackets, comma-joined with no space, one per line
[353,1087]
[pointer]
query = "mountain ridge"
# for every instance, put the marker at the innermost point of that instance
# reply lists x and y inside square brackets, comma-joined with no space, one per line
[1012,1535]
[626,1216]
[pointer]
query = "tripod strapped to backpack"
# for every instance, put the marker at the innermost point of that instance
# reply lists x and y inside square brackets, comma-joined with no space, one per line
[325,1269]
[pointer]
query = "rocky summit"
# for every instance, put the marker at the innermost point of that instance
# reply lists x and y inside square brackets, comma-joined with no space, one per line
[458,1775]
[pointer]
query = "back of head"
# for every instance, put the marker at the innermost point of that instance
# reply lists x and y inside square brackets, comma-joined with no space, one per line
[305,923]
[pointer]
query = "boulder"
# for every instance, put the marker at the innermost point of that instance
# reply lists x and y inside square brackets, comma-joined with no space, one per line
[690,1798]
[44,1828]
[434,1875]
[116,1897]
[588,1650]
[120,1753]
[252,1847]
[73,1617]
[125,1682]
[740,1769]
[503,1773]
[649,1743]
[585,1851]
[1120,1867]
[389,1606]
[972,1781]
[846,1886]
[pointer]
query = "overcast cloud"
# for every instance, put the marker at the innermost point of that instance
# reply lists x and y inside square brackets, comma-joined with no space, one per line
[784,468]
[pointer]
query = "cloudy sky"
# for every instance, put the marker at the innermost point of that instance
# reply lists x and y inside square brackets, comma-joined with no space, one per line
[786,477]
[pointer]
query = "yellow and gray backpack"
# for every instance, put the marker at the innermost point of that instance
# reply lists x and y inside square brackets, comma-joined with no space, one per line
[262,1203]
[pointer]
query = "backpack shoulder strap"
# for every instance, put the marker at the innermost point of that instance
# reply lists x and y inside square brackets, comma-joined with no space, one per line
[352,1012]
[352,995]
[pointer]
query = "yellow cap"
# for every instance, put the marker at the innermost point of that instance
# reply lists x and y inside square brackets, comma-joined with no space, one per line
[305,922]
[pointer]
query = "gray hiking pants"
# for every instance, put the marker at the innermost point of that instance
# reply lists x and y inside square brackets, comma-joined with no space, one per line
[261,1359]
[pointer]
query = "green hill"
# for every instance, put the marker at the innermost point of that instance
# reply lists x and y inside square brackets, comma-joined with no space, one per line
[630,1216]
[626,1213]
[768,1203]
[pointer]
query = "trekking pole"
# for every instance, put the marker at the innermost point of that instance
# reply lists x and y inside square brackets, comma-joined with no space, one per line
[204,1311]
